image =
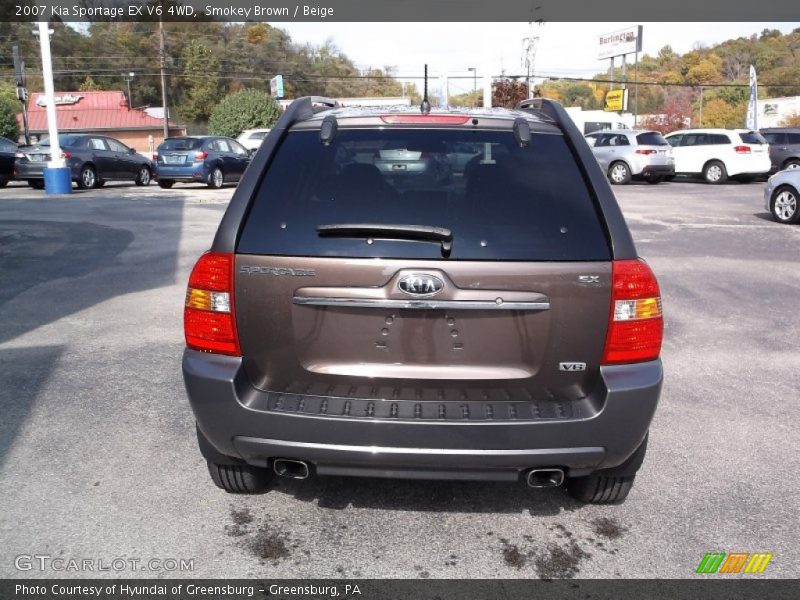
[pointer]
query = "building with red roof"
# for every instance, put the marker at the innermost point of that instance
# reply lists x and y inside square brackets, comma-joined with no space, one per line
[100,112]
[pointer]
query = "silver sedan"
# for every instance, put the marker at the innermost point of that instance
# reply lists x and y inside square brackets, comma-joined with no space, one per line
[781,196]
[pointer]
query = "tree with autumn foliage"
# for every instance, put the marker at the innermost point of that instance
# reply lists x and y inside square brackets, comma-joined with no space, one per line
[675,114]
[508,93]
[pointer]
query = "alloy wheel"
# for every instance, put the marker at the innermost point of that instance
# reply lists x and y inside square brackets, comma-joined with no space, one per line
[785,205]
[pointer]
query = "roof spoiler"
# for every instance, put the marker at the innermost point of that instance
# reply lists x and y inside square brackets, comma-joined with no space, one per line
[544,106]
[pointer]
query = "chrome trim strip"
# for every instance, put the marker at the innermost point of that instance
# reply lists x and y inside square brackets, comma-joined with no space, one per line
[394,450]
[419,304]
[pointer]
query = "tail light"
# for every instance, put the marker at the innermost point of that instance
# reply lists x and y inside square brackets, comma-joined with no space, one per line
[645,152]
[66,155]
[742,149]
[635,323]
[200,155]
[155,156]
[209,321]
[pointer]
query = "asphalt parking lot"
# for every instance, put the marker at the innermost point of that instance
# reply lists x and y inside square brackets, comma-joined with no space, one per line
[98,458]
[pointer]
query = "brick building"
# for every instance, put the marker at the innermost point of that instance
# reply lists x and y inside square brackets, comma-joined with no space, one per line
[105,113]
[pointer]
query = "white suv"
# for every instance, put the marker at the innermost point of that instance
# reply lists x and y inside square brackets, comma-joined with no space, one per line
[720,153]
[252,138]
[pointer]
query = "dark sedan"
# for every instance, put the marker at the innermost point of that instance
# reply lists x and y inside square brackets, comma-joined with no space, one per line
[211,160]
[92,159]
[7,151]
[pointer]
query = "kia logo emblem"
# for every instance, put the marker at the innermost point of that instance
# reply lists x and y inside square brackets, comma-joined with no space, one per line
[420,284]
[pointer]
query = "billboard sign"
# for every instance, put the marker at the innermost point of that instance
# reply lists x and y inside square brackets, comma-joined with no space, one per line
[616,101]
[617,43]
[276,86]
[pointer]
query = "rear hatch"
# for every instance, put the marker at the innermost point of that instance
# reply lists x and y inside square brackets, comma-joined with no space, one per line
[753,140]
[653,145]
[175,152]
[487,282]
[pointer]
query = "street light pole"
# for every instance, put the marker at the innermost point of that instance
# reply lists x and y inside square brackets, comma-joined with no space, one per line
[128,78]
[162,57]
[474,85]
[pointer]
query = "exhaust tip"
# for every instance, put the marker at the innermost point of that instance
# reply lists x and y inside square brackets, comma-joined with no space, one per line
[293,469]
[543,478]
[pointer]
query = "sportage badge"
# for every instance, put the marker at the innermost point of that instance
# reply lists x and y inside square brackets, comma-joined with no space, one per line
[420,284]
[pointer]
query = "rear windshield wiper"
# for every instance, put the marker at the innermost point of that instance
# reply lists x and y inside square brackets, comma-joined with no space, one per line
[422,233]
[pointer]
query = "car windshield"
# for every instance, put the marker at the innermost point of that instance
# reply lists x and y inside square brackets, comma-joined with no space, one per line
[500,201]
[753,137]
[651,138]
[181,144]
[63,140]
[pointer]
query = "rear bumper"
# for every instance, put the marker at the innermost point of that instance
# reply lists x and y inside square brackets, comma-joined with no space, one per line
[243,423]
[29,170]
[656,171]
[185,173]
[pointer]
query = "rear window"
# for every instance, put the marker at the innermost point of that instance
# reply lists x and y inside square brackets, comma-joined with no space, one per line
[500,201]
[775,138]
[63,140]
[752,137]
[651,138]
[181,144]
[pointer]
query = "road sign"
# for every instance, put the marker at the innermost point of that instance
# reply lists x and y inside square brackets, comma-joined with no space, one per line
[276,86]
[616,101]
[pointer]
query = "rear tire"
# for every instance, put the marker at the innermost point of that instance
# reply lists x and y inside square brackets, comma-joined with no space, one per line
[165,183]
[216,178]
[714,172]
[654,180]
[37,184]
[87,178]
[792,163]
[3,182]
[143,176]
[239,479]
[619,173]
[609,486]
[598,489]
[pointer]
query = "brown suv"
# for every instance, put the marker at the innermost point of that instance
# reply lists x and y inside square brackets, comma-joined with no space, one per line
[450,294]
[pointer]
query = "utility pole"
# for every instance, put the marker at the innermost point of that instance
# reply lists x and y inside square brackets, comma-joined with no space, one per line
[474,85]
[22,92]
[529,55]
[128,78]
[163,59]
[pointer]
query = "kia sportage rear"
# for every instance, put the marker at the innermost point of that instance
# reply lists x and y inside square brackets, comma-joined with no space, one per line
[436,295]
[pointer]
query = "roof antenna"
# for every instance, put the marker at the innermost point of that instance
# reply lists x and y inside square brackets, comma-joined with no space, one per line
[425,107]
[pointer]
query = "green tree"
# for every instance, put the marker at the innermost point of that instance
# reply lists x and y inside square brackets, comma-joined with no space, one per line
[718,113]
[243,110]
[89,85]
[200,69]
[8,119]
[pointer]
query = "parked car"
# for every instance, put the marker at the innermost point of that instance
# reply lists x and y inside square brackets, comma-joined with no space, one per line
[784,147]
[7,151]
[626,154]
[717,154]
[252,138]
[781,196]
[212,160]
[92,160]
[496,325]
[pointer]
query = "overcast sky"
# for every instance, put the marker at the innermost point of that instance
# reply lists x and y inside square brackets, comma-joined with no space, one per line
[563,48]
